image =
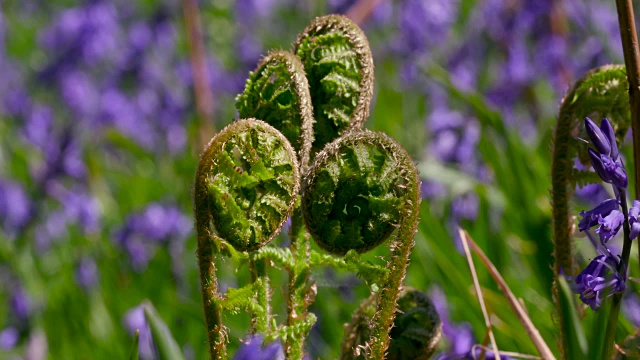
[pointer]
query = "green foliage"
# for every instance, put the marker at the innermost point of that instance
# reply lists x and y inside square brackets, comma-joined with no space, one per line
[572,328]
[416,329]
[351,199]
[252,183]
[337,60]
[134,348]
[168,348]
[277,92]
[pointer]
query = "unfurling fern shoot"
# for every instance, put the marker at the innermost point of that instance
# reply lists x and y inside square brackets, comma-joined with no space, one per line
[337,59]
[246,185]
[361,188]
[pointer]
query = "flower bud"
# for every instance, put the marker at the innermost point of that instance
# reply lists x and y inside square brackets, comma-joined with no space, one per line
[606,128]
[597,137]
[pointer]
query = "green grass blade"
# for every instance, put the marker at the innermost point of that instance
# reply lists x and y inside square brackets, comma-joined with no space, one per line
[134,348]
[576,341]
[168,348]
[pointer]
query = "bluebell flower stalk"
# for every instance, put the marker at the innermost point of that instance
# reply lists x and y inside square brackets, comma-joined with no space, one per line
[606,275]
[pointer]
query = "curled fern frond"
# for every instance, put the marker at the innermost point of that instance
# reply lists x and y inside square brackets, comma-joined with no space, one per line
[416,331]
[339,66]
[251,177]
[354,192]
[277,92]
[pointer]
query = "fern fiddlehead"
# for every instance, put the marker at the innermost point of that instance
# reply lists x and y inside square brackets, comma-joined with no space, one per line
[361,188]
[339,66]
[416,331]
[246,186]
[277,92]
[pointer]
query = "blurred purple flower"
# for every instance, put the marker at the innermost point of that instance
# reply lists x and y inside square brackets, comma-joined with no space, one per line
[426,23]
[255,350]
[134,320]
[465,206]
[81,208]
[249,11]
[38,126]
[460,336]
[15,207]
[631,308]
[87,273]
[9,338]
[20,304]
[156,225]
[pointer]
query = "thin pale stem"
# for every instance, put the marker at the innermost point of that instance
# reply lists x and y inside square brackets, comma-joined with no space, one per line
[517,307]
[476,284]
[629,37]
[199,69]
[612,321]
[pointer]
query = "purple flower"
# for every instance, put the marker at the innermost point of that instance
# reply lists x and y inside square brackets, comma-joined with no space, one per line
[600,279]
[80,207]
[255,350]
[87,273]
[634,224]
[590,218]
[134,320]
[424,24]
[609,225]
[605,160]
[598,137]
[610,171]
[9,338]
[15,207]
[156,225]
[20,304]
[631,308]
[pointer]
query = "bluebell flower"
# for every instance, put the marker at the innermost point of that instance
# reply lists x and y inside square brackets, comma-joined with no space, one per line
[590,218]
[134,320]
[609,225]
[605,160]
[634,224]
[87,274]
[20,304]
[255,350]
[599,140]
[144,231]
[9,338]
[610,171]
[631,308]
[15,207]
[600,279]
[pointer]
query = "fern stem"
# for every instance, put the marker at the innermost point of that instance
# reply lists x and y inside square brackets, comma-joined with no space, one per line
[388,297]
[631,52]
[398,263]
[300,294]
[205,252]
[260,319]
